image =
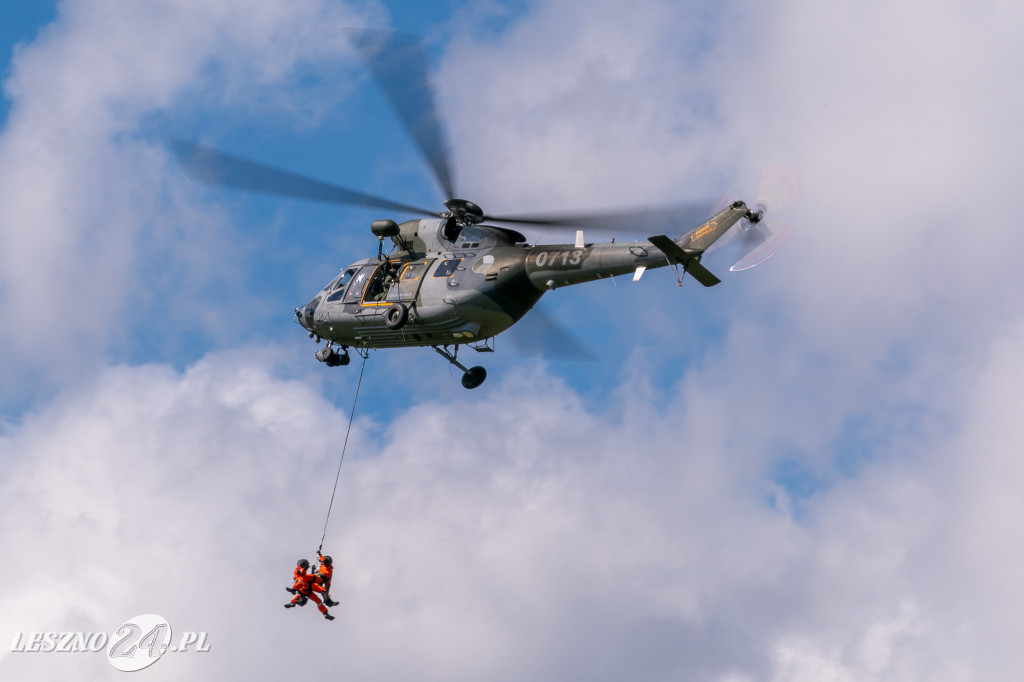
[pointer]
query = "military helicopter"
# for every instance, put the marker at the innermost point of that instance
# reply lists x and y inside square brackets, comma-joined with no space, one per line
[460,276]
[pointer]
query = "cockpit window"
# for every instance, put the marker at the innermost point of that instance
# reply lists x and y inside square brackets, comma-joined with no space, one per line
[337,287]
[344,279]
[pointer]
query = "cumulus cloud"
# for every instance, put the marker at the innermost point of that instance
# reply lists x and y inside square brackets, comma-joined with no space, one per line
[135,484]
[557,541]
[900,141]
[89,200]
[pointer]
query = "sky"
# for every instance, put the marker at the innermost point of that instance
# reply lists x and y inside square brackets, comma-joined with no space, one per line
[810,472]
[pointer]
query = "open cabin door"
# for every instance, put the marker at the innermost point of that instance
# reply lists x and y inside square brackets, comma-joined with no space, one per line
[410,277]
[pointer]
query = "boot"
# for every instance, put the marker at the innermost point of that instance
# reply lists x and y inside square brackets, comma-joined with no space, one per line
[328,616]
[330,602]
[290,605]
[290,589]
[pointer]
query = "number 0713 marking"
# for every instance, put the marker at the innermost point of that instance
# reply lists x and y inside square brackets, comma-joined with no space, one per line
[552,257]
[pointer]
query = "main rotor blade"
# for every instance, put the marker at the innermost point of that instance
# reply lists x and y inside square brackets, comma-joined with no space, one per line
[539,334]
[641,219]
[398,62]
[212,167]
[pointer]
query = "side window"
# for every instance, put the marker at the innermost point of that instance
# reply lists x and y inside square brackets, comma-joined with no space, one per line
[345,279]
[338,289]
[355,290]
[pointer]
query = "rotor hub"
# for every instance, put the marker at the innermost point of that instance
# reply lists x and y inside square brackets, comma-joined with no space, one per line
[755,214]
[464,212]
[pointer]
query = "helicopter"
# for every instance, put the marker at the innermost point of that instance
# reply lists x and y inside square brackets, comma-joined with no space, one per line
[459,277]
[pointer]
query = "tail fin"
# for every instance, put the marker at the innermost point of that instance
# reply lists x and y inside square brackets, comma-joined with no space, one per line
[688,249]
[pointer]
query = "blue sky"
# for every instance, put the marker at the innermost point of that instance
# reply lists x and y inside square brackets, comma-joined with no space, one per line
[808,472]
[21,22]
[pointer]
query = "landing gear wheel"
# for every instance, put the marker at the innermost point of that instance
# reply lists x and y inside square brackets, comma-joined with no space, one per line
[396,316]
[474,376]
[332,358]
[471,377]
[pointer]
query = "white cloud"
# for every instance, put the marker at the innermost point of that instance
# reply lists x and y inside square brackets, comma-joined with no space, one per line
[95,234]
[556,541]
[897,118]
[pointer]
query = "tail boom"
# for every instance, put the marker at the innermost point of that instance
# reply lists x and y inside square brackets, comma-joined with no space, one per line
[551,267]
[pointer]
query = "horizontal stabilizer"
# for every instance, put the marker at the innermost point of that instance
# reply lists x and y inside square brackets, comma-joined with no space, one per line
[671,249]
[702,274]
[689,261]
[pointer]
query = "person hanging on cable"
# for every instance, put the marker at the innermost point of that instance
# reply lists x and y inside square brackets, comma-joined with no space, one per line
[298,577]
[324,572]
[301,569]
[305,588]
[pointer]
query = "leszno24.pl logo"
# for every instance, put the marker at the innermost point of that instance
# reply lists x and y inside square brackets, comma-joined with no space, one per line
[137,644]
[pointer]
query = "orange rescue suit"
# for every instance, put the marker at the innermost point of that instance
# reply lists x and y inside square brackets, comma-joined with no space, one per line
[306,586]
[324,574]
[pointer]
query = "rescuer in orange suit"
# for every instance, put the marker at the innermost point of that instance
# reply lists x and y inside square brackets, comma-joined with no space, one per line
[305,588]
[324,573]
[298,576]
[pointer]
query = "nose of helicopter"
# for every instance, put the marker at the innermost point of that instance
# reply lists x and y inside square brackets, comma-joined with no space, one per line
[300,319]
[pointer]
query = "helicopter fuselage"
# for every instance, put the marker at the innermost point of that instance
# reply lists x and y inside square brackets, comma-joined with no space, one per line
[445,285]
[451,279]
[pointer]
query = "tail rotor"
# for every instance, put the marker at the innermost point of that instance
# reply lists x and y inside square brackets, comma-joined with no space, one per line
[757,238]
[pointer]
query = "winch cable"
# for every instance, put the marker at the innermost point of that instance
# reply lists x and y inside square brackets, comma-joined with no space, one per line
[344,447]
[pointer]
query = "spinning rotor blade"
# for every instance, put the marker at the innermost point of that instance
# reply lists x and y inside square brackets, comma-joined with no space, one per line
[398,62]
[756,242]
[539,334]
[778,186]
[212,167]
[659,219]
[759,244]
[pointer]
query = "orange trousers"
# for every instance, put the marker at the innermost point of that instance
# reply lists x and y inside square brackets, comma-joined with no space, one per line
[313,589]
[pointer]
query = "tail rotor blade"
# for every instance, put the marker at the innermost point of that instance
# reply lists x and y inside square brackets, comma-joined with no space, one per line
[778,186]
[759,244]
